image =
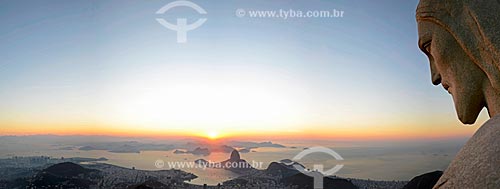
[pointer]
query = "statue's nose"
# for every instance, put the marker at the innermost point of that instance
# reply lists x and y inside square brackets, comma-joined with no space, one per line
[435,76]
[436,79]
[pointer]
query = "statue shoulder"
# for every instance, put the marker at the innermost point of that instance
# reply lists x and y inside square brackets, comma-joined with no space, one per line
[477,163]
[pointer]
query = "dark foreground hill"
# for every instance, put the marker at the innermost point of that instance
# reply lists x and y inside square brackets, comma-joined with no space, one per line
[306,182]
[66,175]
[424,181]
[68,169]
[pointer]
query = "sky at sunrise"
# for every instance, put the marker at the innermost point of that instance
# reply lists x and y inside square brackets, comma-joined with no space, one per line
[109,68]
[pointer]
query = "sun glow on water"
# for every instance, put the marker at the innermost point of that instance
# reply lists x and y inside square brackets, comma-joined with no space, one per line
[213,135]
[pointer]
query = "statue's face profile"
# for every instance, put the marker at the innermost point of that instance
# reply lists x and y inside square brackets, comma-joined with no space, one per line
[454,70]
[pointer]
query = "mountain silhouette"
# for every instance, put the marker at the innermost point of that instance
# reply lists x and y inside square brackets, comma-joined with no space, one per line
[65,175]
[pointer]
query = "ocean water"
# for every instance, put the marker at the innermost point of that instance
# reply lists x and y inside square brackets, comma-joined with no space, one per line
[391,161]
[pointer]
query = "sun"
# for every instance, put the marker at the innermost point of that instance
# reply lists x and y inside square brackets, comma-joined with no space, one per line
[212,135]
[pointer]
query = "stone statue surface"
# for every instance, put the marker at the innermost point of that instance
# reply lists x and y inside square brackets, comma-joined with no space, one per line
[461,38]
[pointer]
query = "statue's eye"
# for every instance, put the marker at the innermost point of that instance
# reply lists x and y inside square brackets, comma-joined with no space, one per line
[427,47]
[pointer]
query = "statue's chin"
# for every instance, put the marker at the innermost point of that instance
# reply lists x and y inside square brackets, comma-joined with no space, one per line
[467,119]
[469,111]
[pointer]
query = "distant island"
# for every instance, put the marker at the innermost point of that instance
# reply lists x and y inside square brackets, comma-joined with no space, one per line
[234,164]
[125,147]
[196,148]
[196,151]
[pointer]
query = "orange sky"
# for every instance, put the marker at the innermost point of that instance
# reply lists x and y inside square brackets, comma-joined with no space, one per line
[354,132]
